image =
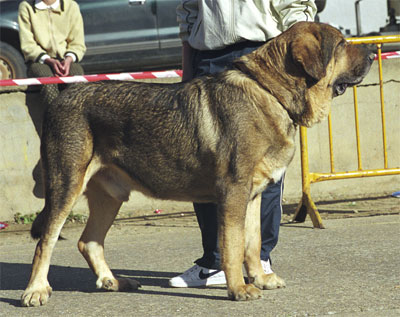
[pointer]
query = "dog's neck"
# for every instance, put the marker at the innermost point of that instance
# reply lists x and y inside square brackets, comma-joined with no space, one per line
[278,76]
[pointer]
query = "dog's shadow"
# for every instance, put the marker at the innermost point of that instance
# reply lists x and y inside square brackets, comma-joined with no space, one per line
[14,276]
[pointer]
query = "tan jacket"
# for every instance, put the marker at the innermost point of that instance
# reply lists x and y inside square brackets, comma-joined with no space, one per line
[51,31]
[214,24]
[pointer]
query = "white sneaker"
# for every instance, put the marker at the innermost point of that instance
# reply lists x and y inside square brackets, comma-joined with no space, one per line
[198,276]
[266,265]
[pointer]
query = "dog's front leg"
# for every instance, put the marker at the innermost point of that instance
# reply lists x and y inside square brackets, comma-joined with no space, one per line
[232,214]
[252,259]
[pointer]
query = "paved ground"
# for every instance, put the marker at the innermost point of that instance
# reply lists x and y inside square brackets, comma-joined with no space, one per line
[352,268]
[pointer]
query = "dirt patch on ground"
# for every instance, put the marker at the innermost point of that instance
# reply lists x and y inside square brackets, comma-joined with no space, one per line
[360,207]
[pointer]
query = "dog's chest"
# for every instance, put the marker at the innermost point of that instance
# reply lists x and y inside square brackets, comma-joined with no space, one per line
[271,169]
[278,173]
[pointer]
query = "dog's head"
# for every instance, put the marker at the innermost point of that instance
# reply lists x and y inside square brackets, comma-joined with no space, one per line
[306,66]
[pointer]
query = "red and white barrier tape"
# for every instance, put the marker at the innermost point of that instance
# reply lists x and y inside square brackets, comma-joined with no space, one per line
[90,78]
[389,55]
[118,76]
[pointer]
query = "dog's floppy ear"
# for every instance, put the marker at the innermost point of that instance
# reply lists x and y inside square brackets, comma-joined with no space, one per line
[313,52]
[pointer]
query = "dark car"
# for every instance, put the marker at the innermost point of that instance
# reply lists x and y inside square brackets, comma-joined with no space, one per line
[120,35]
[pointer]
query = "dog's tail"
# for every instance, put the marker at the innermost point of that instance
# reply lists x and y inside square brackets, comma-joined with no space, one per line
[38,224]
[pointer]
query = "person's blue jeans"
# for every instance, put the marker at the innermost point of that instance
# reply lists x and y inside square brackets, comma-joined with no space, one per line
[209,62]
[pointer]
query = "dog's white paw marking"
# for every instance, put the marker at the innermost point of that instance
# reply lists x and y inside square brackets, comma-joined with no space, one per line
[269,281]
[245,292]
[119,284]
[36,297]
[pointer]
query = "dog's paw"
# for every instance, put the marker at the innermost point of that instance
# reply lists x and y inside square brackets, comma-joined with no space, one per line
[269,281]
[119,284]
[245,292]
[36,297]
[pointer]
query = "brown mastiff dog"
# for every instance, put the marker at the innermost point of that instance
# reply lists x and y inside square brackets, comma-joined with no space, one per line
[220,138]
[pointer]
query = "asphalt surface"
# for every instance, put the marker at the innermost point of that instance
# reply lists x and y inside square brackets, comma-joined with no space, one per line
[352,268]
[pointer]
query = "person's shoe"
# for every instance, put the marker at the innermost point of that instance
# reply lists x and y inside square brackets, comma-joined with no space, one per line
[266,265]
[198,276]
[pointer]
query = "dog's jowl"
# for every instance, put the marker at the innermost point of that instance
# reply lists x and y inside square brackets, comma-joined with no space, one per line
[220,138]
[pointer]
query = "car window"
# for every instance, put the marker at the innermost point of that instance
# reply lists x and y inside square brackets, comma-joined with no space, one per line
[167,25]
[113,26]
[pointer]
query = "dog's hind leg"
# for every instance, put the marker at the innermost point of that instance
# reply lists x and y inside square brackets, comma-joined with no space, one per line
[103,210]
[38,290]
[62,190]
[252,260]
[66,151]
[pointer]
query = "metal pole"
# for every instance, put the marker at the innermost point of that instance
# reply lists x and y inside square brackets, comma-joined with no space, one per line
[358,17]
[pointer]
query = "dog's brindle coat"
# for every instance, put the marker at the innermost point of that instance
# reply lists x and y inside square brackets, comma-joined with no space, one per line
[220,138]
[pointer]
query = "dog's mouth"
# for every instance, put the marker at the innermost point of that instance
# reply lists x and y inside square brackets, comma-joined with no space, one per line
[354,78]
[340,86]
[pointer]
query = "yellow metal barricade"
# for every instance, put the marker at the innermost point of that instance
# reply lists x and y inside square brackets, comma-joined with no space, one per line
[306,205]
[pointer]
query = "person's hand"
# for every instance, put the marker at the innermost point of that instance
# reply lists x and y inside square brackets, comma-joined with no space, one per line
[66,63]
[56,66]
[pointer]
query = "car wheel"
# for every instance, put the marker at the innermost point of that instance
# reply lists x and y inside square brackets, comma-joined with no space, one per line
[12,64]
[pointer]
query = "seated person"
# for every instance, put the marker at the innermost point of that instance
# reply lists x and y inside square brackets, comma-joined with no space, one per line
[52,40]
